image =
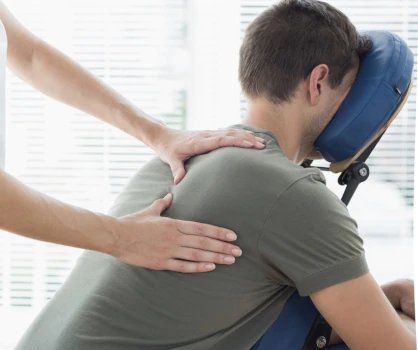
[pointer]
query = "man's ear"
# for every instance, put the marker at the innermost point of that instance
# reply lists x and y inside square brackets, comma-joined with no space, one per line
[317,81]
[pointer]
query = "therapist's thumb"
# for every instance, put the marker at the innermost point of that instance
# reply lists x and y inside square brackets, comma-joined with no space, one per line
[178,171]
[160,205]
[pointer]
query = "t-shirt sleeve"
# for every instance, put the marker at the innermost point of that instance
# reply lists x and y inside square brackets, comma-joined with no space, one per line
[310,238]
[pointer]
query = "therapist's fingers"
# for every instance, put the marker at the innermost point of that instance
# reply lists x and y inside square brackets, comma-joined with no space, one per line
[178,146]
[178,170]
[209,244]
[159,205]
[230,138]
[207,237]
[196,228]
[204,256]
[146,239]
[188,267]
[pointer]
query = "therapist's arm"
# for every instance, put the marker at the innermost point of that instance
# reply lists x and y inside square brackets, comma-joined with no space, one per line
[144,239]
[56,75]
[362,315]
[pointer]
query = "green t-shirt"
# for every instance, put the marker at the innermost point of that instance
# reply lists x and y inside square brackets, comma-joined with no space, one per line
[294,232]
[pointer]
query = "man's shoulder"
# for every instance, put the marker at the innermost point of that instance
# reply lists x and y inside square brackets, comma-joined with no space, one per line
[310,186]
[270,159]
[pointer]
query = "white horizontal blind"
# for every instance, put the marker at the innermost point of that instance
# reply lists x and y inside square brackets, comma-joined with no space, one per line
[139,48]
[393,158]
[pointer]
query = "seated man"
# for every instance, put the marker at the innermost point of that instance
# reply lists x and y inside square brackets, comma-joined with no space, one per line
[297,64]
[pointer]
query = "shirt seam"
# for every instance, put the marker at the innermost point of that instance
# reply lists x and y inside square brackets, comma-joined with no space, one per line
[331,267]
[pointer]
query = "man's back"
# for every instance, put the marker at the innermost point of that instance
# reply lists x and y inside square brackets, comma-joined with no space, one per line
[107,304]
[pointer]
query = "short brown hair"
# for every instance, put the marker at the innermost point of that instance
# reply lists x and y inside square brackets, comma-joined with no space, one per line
[285,42]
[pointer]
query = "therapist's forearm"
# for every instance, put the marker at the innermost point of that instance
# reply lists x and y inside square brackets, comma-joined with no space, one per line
[56,75]
[29,213]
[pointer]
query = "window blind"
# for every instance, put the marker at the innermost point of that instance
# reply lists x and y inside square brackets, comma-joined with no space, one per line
[139,48]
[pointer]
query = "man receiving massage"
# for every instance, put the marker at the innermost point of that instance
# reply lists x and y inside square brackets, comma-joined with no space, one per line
[298,62]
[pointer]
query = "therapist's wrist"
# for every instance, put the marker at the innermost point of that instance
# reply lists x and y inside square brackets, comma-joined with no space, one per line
[141,126]
[105,238]
[153,133]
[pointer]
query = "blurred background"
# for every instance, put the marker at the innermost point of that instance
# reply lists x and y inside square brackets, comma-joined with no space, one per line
[177,60]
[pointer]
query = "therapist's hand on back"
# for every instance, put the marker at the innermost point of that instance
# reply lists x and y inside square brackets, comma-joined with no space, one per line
[159,243]
[168,244]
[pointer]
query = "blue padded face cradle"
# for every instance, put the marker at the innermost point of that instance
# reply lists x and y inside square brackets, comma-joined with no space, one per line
[383,77]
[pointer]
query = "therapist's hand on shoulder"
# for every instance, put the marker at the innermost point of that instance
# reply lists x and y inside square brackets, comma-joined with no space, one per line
[174,146]
[159,243]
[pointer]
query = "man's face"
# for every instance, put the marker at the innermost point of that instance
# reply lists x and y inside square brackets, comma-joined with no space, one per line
[332,100]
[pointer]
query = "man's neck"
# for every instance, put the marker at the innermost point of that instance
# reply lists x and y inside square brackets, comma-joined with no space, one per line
[283,121]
